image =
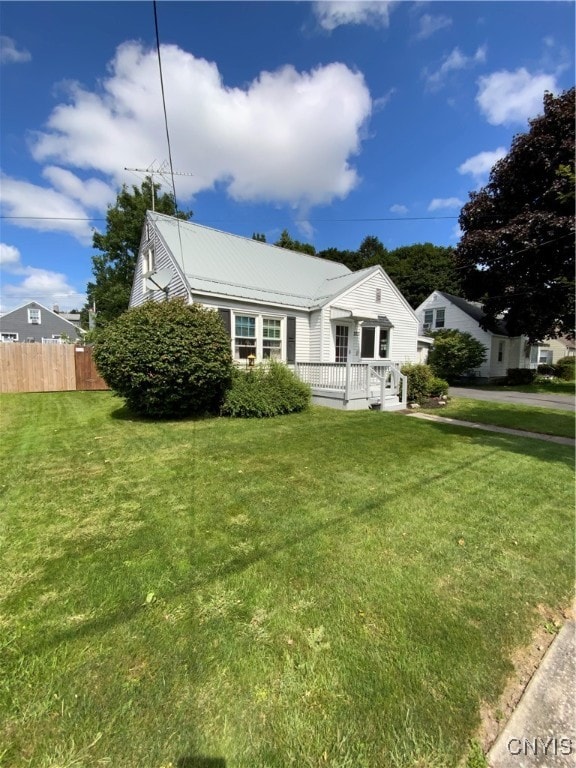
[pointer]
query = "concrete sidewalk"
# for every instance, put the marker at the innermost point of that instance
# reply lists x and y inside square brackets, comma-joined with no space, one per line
[542,730]
[489,428]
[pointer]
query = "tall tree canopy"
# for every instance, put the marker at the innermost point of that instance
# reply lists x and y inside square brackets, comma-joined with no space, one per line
[419,269]
[517,248]
[286,241]
[113,268]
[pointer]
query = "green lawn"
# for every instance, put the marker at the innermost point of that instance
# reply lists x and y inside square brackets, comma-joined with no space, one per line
[323,589]
[532,419]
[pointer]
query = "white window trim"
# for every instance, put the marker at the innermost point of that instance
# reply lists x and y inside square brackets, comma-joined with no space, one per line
[259,334]
[376,350]
[8,336]
[34,310]
[433,324]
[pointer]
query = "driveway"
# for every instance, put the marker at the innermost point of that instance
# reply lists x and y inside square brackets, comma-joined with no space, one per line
[542,400]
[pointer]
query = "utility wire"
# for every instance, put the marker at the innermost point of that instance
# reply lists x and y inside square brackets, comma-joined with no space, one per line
[164,104]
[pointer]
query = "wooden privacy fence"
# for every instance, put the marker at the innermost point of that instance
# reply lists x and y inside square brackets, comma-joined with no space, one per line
[47,368]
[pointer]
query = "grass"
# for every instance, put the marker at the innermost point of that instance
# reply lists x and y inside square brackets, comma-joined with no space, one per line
[322,589]
[553,387]
[546,421]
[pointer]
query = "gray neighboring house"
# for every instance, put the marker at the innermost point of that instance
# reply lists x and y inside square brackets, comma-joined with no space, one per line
[36,323]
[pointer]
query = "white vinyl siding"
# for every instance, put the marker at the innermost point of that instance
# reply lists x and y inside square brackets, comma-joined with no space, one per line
[154,255]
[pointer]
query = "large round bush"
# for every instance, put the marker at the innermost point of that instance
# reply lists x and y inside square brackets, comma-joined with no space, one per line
[455,353]
[166,359]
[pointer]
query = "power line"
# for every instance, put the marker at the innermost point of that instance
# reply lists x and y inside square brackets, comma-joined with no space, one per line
[164,103]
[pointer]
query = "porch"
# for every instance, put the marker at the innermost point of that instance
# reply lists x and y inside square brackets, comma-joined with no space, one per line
[355,386]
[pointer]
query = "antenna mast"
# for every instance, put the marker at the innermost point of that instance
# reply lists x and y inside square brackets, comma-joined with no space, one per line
[163,171]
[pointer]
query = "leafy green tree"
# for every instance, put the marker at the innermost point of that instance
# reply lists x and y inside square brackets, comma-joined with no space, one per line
[113,268]
[419,269]
[166,359]
[260,236]
[348,258]
[517,248]
[454,353]
[286,241]
[371,252]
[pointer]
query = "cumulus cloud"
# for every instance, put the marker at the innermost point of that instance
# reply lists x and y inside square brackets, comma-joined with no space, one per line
[41,285]
[480,165]
[455,61]
[428,25]
[91,193]
[507,97]
[442,203]
[399,209]
[9,52]
[55,212]
[287,137]
[332,14]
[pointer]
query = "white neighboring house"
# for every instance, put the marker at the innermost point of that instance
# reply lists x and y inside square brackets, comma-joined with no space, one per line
[346,333]
[442,310]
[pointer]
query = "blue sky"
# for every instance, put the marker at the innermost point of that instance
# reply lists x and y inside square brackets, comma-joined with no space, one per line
[334,120]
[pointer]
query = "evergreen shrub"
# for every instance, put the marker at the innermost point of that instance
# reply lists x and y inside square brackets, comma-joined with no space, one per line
[267,390]
[422,384]
[565,368]
[166,359]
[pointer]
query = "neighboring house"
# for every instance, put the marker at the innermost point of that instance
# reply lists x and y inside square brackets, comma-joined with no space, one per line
[36,323]
[442,310]
[345,332]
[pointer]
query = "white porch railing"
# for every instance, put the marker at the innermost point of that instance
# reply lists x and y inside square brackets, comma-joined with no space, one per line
[375,381]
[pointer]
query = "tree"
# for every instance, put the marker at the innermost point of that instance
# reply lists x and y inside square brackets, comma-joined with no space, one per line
[348,258]
[260,236]
[286,241]
[419,269]
[166,359]
[517,248]
[454,353]
[113,269]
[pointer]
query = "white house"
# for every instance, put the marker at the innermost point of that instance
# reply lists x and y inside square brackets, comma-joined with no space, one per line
[442,310]
[346,333]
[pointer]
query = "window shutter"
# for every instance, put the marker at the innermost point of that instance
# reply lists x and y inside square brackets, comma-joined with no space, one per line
[225,317]
[290,339]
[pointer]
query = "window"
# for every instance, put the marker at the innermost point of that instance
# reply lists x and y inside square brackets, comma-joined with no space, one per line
[500,351]
[545,357]
[244,337]
[148,261]
[378,295]
[34,316]
[271,338]
[7,336]
[434,318]
[440,313]
[341,343]
[370,337]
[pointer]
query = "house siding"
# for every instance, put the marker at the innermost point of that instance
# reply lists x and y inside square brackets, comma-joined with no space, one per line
[162,259]
[459,320]
[362,298]
[50,324]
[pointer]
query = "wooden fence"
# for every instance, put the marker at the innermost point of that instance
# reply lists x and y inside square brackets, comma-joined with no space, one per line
[47,368]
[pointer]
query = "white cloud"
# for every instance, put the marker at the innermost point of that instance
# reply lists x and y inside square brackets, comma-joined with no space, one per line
[397,208]
[439,203]
[41,285]
[480,165]
[286,138]
[428,25]
[9,256]
[9,53]
[336,13]
[455,61]
[55,212]
[92,193]
[456,233]
[507,97]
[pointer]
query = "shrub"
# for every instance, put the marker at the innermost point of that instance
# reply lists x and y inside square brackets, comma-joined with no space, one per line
[166,359]
[454,353]
[422,384]
[565,368]
[267,390]
[546,369]
[520,376]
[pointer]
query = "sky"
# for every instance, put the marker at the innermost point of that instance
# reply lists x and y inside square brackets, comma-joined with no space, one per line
[334,120]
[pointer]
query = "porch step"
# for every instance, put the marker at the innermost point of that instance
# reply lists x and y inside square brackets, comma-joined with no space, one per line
[392,404]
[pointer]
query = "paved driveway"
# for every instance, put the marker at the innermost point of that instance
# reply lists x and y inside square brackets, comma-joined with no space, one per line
[542,400]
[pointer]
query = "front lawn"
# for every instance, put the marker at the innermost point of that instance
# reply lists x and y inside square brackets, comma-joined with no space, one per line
[530,418]
[323,589]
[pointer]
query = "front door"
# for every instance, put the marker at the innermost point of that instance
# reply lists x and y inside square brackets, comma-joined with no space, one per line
[341,343]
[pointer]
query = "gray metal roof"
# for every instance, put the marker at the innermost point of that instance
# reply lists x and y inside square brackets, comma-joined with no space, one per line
[221,263]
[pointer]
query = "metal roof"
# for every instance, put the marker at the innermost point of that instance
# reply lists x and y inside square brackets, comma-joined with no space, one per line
[220,263]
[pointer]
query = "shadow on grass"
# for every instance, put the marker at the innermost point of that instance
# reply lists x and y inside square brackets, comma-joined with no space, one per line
[200,762]
[125,414]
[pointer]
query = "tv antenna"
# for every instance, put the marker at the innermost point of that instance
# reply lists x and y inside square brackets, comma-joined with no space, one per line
[162,170]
